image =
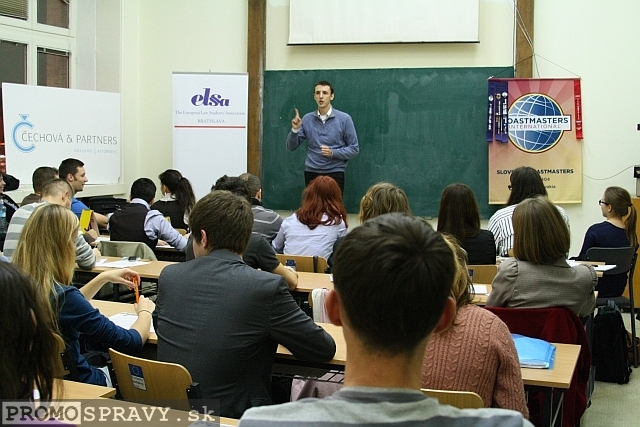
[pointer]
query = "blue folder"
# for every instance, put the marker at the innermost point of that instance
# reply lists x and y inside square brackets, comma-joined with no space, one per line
[533,352]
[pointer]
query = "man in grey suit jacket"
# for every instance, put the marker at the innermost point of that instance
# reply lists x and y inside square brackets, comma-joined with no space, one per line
[223,320]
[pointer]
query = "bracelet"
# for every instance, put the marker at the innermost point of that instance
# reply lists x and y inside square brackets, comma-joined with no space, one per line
[146,311]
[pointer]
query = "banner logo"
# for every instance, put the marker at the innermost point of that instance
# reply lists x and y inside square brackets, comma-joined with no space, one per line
[536,123]
[209,99]
[14,134]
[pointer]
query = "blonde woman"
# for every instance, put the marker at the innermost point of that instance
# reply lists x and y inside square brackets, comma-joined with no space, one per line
[476,353]
[46,251]
[380,198]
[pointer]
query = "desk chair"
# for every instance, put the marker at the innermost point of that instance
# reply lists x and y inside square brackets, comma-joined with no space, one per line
[560,325]
[156,383]
[625,262]
[182,231]
[483,274]
[309,264]
[458,399]
[64,365]
[123,249]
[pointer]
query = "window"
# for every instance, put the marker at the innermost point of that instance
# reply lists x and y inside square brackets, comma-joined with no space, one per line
[37,46]
[54,12]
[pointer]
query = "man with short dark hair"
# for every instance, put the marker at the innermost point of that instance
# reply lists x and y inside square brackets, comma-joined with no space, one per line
[330,135]
[259,252]
[137,222]
[392,280]
[265,221]
[223,320]
[72,171]
[56,191]
[40,177]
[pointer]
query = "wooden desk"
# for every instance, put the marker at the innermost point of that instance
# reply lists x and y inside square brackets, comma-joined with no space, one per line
[72,390]
[307,282]
[150,271]
[109,308]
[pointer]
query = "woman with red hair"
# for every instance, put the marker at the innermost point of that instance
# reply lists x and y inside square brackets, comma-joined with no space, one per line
[315,226]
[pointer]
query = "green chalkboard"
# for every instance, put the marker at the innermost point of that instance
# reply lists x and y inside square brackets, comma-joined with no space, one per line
[421,129]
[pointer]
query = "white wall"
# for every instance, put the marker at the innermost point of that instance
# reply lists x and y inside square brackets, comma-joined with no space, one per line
[191,36]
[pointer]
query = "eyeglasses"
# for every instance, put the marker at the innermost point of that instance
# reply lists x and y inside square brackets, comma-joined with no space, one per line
[602,202]
[509,187]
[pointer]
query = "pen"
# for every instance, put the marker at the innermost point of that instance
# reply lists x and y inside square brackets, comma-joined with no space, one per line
[137,283]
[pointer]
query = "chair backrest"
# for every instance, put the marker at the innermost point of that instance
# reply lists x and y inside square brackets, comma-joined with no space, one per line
[559,325]
[459,399]
[182,231]
[122,249]
[60,364]
[309,264]
[483,274]
[622,258]
[151,382]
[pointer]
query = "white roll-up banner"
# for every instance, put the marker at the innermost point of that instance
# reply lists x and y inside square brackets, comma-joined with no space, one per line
[45,125]
[209,126]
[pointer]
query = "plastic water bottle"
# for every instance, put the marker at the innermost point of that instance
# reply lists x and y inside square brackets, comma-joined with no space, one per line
[291,263]
[3,217]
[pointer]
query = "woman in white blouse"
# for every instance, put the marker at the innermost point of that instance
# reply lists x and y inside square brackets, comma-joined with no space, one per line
[315,226]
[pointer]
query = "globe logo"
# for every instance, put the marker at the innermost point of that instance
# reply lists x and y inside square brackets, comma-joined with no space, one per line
[536,123]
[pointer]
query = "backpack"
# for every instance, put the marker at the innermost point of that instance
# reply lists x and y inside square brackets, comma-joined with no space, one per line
[610,345]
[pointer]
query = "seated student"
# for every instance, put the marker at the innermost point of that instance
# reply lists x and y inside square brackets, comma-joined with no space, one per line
[57,192]
[380,198]
[459,217]
[539,276]
[525,183]
[46,252]
[136,222]
[72,170]
[177,198]
[265,221]
[28,345]
[223,320]
[477,352]
[392,278]
[40,177]
[314,227]
[10,208]
[259,253]
[618,231]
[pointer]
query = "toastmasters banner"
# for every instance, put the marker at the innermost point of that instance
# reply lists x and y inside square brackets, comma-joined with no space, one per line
[209,127]
[45,125]
[536,123]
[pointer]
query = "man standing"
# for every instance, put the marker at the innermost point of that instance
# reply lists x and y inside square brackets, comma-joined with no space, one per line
[223,320]
[265,221]
[72,171]
[330,134]
[392,280]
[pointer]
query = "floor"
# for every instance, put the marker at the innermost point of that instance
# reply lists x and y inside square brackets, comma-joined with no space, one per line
[614,403]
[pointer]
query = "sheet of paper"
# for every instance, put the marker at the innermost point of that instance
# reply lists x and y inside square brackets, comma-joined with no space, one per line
[100,261]
[123,264]
[480,289]
[126,320]
[599,267]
